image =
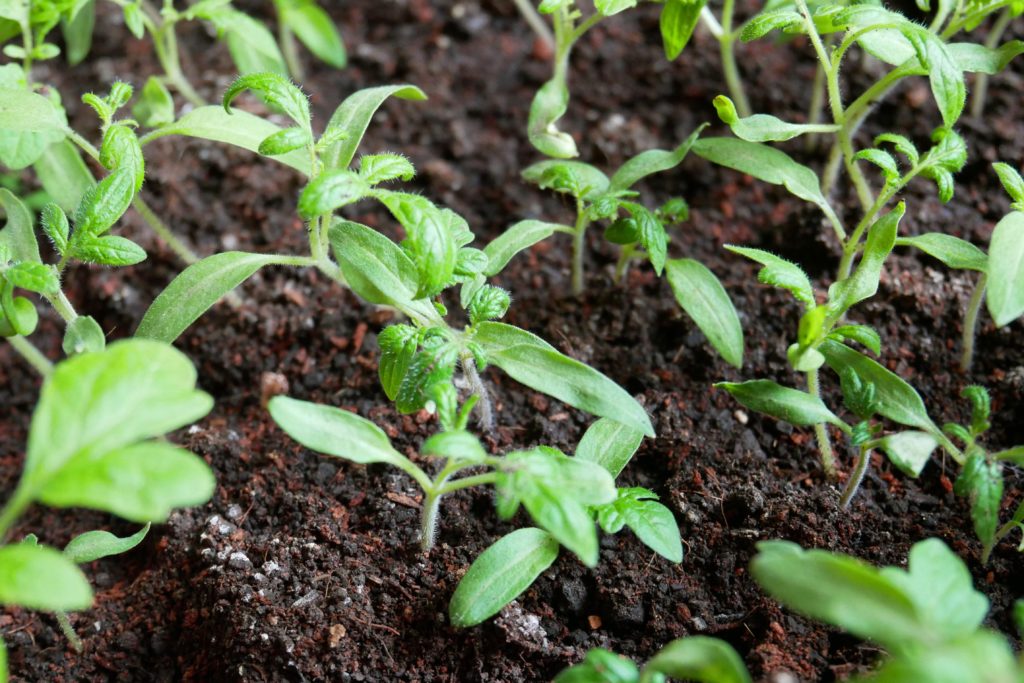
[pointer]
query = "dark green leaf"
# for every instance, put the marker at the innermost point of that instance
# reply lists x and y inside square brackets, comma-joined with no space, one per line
[103,204]
[863,283]
[981,482]
[430,243]
[652,522]
[704,299]
[121,149]
[568,177]
[35,277]
[110,250]
[398,345]
[329,191]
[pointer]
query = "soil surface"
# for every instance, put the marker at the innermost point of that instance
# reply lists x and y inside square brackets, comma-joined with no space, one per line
[304,568]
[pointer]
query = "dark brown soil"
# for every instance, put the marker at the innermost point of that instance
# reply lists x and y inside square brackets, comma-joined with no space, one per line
[307,569]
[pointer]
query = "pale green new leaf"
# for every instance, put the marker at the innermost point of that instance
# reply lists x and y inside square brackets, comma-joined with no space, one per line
[610,7]
[700,658]
[704,299]
[40,578]
[610,444]
[909,450]
[953,251]
[19,234]
[314,28]
[548,106]
[93,545]
[376,268]
[29,123]
[778,272]
[1006,270]
[78,29]
[352,118]
[759,127]
[789,405]
[331,190]
[649,162]
[517,238]
[155,106]
[195,290]
[678,20]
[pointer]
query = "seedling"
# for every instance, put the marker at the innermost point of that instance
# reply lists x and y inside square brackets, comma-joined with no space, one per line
[1001,271]
[695,658]
[96,441]
[562,494]
[928,617]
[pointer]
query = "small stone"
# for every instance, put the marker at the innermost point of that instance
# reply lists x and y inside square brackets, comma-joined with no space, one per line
[239,560]
[338,632]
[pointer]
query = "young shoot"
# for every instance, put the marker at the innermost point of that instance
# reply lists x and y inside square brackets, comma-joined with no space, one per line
[695,658]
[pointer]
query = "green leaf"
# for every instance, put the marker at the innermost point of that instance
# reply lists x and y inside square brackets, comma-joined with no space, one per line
[902,144]
[134,21]
[785,19]
[678,20]
[568,177]
[429,243]
[488,303]
[652,236]
[897,400]
[946,157]
[862,334]
[155,106]
[104,204]
[944,75]
[531,361]
[649,162]
[314,28]
[18,235]
[63,175]
[375,267]
[107,251]
[981,482]
[380,168]
[195,290]
[77,30]
[548,106]
[884,161]
[863,283]
[600,666]
[398,344]
[252,47]
[21,316]
[909,451]
[40,578]
[610,7]
[1006,270]
[352,118]
[1012,182]
[778,272]
[704,299]
[759,127]
[976,58]
[652,522]
[459,446]
[700,658]
[764,163]
[839,590]
[87,445]
[239,128]
[329,191]
[333,431]
[953,251]
[121,149]
[284,141]
[789,405]
[83,335]
[94,545]
[500,575]
[276,90]
[29,123]
[35,277]
[610,444]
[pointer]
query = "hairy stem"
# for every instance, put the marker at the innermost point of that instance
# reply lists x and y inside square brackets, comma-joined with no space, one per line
[856,477]
[579,243]
[63,307]
[828,457]
[995,34]
[971,322]
[428,520]
[69,631]
[484,409]
[32,355]
[730,70]
[536,22]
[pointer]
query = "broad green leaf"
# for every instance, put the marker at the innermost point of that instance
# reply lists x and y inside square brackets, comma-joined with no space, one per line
[778,272]
[600,666]
[19,234]
[649,162]
[839,590]
[141,482]
[64,175]
[333,431]
[909,450]
[83,335]
[568,177]
[700,658]
[77,30]
[195,290]
[953,251]
[29,123]
[652,236]
[678,20]
[40,578]
[517,238]
[315,29]
[35,277]
[863,283]
[104,204]
[940,585]
[548,106]
[944,75]
[610,444]
[398,345]
[759,127]
[704,299]
[976,58]
[93,545]
[110,250]
[239,128]
[563,517]
[134,390]
[155,106]
[980,656]
[981,482]
[652,522]
[380,168]
[501,574]
[430,243]
[352,118]
[533,362]
[782,403]
[897,400]
[1006,270]
[252,47]
[610,7]
[764,163]
[375,267]
[331,190]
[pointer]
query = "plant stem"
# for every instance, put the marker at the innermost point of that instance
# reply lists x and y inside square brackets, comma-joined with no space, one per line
[828,457]
[578,245]
[428,520]
[856,477]
[852,246]
[622,265]
[63,307]
[26,40]
[290,50]
[995,34]
[469,482]
[485,413]
[32,355]
[817,105]
[730,70]
[971,322]
[536,22]
[163,232]
[165,41]
[69,631]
